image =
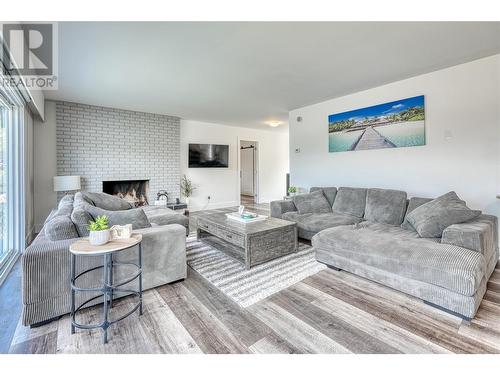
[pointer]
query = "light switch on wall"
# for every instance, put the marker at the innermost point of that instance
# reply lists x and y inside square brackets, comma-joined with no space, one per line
[448,135]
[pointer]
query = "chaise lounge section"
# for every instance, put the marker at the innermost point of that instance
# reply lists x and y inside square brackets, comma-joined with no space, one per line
[369,234]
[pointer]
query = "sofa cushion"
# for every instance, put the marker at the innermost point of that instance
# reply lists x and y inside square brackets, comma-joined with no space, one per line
[135,216]
[328,192]
[163,215]
[315,202]
[431,218]
[385,206]
[107,201]
[314,223]
[60,227]
[350,201]
[403,253]
[413,203]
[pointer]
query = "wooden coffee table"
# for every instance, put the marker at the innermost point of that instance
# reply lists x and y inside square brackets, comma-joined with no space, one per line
[250,243]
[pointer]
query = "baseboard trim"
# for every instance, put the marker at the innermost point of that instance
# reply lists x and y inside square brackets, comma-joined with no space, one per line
[214,206]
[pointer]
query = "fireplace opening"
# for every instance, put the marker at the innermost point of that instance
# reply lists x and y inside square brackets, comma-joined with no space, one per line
[134,191]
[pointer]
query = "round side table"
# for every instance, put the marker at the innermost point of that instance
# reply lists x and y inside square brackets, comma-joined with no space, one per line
[83,248]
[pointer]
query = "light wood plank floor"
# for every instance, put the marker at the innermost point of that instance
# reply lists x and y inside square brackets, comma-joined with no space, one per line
[330,312]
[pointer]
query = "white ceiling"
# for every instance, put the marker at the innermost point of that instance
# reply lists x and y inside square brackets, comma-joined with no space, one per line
[245,74]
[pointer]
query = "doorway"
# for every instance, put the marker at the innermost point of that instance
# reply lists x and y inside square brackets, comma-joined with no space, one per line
[248,172]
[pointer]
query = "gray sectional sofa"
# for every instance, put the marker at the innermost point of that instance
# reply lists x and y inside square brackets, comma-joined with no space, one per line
[371,233]
[46,262]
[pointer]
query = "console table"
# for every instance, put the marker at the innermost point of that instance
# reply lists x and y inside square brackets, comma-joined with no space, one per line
[83,248]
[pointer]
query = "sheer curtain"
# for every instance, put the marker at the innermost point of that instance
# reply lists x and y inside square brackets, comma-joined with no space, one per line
[12,176]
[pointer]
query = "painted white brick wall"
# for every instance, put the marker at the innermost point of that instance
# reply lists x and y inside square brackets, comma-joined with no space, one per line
[102,144]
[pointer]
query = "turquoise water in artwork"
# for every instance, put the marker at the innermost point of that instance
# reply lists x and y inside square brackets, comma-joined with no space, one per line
[341,141]
[404,134]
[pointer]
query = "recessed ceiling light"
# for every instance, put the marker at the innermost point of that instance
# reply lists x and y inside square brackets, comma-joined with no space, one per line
[274,124]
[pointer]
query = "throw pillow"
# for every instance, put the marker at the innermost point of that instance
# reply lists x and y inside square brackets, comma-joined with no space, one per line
[413,203]
[314,202]
[66,200]
[60,227]
[430,219]
[107,201]
[82,201]
[81,217]
[329,192]
[52,214]
[136,216]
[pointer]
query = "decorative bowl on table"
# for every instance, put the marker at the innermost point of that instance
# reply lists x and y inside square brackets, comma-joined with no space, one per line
[248,215]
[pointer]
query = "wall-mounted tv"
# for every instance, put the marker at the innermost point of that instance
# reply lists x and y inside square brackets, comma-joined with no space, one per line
[208,156]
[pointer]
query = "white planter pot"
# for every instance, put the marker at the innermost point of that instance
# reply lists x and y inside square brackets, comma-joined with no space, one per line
[99,237]
[186,200]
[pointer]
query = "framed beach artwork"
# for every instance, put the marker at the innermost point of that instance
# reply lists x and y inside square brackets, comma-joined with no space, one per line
[395,124]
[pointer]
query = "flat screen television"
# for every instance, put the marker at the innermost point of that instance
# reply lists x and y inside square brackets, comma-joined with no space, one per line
[208,156]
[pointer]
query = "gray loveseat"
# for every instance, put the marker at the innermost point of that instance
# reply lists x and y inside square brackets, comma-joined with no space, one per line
[367,232]
[46,262]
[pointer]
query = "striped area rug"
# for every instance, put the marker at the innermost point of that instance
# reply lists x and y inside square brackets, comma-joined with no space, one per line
[247,287]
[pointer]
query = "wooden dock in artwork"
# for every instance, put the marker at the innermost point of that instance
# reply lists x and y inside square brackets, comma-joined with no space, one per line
[371,139]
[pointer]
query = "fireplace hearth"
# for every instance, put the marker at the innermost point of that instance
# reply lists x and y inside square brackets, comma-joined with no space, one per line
[134,191]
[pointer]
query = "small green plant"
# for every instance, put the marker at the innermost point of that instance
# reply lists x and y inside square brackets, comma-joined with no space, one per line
[100,223]
[292,189]
[187,187]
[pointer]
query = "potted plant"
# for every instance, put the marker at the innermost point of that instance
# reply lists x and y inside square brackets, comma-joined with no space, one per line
[292,190]
[99,231]
[187,188]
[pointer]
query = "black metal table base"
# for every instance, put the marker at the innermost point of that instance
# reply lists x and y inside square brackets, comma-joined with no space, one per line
[107,292]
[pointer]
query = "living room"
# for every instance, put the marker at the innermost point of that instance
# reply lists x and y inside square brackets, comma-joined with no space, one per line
[194,187]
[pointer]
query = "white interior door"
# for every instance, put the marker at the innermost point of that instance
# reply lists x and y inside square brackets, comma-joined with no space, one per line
[247,171]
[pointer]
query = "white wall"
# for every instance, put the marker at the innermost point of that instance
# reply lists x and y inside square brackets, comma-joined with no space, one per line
[45,155]
[462,101]
[222,184]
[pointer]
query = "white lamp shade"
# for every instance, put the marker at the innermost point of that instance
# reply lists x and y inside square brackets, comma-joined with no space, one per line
[66,183]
